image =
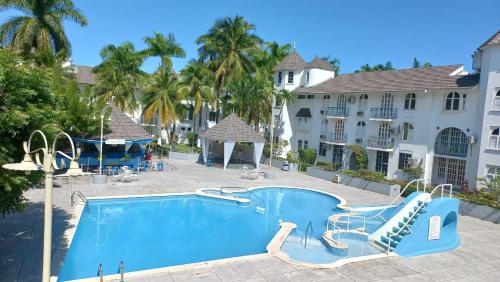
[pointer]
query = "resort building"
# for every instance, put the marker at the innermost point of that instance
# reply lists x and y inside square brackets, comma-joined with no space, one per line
[441,118]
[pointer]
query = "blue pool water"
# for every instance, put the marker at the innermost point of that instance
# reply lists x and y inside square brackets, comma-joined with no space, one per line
[157,232]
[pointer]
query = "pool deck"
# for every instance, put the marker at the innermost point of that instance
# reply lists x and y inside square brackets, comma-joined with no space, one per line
[21,235]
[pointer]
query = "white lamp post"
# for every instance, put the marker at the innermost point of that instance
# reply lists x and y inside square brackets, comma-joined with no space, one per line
[49,165]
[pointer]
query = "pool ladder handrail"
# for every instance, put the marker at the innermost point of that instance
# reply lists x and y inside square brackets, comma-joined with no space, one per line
[311,230]
[349,221]
[242,188]
[100,272]
[424,202]
[398,197]
[121,270]
[80,195]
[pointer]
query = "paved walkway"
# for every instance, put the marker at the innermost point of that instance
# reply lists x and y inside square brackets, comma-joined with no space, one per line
[478,259]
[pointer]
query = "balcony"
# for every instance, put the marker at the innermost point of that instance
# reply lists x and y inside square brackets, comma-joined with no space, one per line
[383,114]
[380,144]
[454,150]
[334,138]
[337,112]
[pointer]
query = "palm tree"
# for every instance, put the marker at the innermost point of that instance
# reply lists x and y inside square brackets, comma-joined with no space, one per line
[271,54]
[228,48]
[164,47]
[41,27]
[161,97]
[119,75]
[196,84]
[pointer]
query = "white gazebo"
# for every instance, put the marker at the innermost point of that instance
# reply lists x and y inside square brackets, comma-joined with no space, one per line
[230,131]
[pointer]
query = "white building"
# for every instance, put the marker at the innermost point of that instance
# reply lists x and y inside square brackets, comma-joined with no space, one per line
[441,118]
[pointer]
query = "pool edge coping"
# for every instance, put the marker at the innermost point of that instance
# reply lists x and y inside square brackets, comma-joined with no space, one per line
[70,233]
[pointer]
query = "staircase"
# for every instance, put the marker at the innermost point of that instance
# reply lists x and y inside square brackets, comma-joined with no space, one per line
[392,232]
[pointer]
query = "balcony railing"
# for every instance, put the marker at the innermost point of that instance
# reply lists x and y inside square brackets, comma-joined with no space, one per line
[337,112]
[384,113]
[455,150]
[375,142]
[334,137]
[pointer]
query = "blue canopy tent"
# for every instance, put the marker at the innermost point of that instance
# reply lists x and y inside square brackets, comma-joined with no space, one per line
[124,143]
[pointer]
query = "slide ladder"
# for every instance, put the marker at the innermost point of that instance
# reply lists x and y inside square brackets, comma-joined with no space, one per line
[395,229]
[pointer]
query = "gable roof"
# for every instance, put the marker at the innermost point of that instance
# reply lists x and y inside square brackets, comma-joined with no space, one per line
[84,75]
[291,62]
[395,80]
[120,126]
[495,39]
[232,128]
[318,63]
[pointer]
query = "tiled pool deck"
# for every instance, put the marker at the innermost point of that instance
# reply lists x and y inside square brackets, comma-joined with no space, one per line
[477,259]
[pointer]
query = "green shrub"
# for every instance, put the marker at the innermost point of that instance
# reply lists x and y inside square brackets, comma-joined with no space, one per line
[192,139]
[307,156]
[360,156]
[327,166]
[368,175]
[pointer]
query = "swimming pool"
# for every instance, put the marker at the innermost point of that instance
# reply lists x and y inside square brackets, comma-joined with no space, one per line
[161,231]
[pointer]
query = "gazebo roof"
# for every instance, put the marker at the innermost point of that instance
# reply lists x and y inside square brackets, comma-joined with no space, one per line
[232,128]
[123,127]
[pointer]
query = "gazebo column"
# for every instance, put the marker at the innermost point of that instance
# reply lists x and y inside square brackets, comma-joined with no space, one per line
[205,146]
[228,150]
[257,153]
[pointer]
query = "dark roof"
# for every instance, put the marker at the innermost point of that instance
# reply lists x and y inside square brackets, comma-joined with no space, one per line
[232,128]
[318,63]
[84,75]
[291,62]
[122,127]
[394,80]
[495,39]
[304,112]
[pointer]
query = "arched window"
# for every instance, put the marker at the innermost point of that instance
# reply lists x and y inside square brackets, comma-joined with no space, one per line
[451,141]
[363,101]
[496,101]
[495,139]
[361,128]
[410,101]
[452,102]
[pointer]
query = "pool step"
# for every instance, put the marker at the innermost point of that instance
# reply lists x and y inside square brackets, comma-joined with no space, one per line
[383,245]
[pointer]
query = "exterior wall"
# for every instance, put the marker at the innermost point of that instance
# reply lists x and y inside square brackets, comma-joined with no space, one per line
[429,119]
[316,76]
[487,117]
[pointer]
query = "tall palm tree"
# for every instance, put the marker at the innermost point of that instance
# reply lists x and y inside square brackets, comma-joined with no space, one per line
[41,27]
[196,82]
[164,47]
[270,55]
[227,48]
[119,75]
[161,97]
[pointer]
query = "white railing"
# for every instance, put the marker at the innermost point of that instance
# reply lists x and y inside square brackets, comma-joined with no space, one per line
[427,199]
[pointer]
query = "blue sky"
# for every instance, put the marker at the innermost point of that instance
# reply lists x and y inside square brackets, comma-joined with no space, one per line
[357,32]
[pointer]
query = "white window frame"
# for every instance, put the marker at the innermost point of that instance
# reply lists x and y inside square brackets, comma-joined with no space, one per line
[290,75]
[496,101]
[492,171]
[410,101]
[454,97]
[280,77]
[494,138]
[408,130]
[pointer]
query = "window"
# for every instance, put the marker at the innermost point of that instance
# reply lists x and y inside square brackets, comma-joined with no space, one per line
[190,113]
[407,131]
[492,172]
[495,139]
[310,96]
[464,98]
[363,101]
[299,144]
[290,77]
[384,130]
[280,77]
[452,102]
[410,101]
[361,128]
[212,115]
[496,102]
[403,160]
[301,97]
[278,102]
[326,97]
[382,162]
[322,149]
[307,77]
[387,101]
[306,144]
